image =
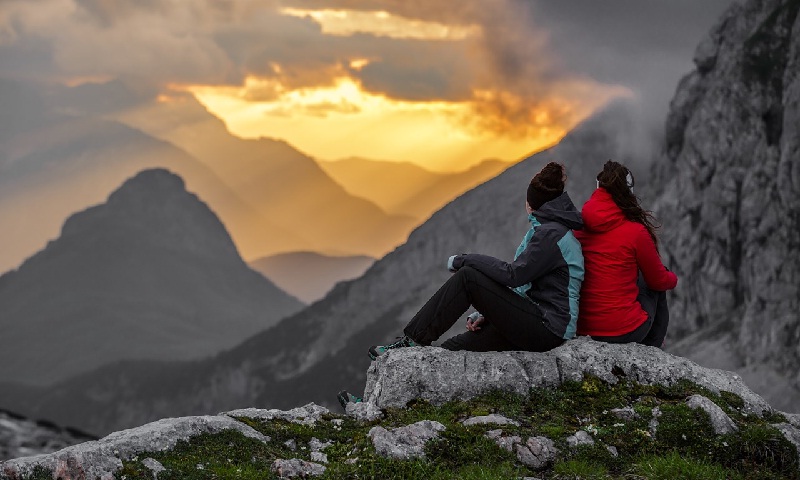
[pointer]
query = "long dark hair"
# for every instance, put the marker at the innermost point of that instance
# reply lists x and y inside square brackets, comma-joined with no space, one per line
[618,181]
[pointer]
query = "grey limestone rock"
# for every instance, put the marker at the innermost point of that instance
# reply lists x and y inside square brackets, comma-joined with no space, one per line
[438,375]
[296,468]
[626,414]
[653,425]
[721,422]
[613,451]
[506,443]
[364,411]
[315,445]
[537,452]
[405,442]
[791,433]
[319,457]
[154,466]
[581,437]
[308,414]
[493,418]
[101,458]
[793,418]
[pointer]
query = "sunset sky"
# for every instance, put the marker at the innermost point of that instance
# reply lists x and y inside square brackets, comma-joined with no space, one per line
[440,83]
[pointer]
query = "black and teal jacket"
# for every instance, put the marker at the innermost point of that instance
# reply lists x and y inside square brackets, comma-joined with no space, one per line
[548,267]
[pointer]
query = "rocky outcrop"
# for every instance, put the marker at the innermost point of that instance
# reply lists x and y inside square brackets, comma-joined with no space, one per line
[439,375]
[729,188]
[101,458]
[22,437]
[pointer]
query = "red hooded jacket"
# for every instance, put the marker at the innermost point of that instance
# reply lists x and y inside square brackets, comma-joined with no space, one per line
[615,249]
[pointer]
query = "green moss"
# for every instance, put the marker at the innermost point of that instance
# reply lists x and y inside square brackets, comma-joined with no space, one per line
[579,469]
[672,465]
[683,447]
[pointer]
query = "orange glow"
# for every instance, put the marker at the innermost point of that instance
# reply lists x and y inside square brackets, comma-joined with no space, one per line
[343,120]
[383,24]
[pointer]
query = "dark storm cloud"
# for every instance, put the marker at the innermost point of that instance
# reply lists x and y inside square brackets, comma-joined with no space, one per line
[644,45]
[529,50]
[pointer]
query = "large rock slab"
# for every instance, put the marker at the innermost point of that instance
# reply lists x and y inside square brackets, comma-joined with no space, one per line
[101,458]
[438,375]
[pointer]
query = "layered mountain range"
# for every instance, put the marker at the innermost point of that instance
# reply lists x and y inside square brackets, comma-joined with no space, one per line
[727,193]
[313,354]
[149,274]
[403,188]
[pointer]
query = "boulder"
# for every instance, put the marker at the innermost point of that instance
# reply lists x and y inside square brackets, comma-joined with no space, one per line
[101,458]
[437,375]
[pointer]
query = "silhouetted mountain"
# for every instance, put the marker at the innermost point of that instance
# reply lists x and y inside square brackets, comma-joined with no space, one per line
[308,275]
[311,355]
[150,274]
[406,188]
[55,161]
[282,184]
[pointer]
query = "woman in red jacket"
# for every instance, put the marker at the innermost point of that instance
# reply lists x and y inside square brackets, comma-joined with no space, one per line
[623,297]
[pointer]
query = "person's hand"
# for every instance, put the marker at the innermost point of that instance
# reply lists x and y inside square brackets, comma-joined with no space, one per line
[474,322]
[450,266]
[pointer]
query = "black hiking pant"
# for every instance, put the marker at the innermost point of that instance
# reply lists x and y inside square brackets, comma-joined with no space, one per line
[511,321]
[654,330]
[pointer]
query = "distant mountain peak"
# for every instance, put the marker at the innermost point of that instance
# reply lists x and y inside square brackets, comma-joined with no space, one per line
[155,206]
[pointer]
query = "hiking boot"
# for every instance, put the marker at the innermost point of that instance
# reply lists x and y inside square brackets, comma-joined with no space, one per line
[376,351]
[346,397]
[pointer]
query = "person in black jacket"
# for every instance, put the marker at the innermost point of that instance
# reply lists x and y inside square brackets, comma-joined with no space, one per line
[528,304]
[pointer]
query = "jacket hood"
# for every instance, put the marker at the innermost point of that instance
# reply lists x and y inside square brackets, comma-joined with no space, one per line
[561,210]
[600,213]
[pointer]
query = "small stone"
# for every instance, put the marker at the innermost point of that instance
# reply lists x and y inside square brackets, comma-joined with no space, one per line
[654,422]
[296,468]
[319,457]
[613,451]
[154,466]
[405,442]
[493,434]
[627,414]
[493,418]
[351,461]
[308,414]
[364,411]
[291,444]
[580,438]
[507,443]
[317,446]
[721,422]
[537,452]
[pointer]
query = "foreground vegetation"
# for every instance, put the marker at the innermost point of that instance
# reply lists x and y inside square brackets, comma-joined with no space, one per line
[683,445]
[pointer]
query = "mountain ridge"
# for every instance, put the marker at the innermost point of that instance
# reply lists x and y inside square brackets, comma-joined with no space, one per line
[151,273]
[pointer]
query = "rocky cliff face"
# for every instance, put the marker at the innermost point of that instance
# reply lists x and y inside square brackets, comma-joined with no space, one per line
[150,274]
[730,189]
